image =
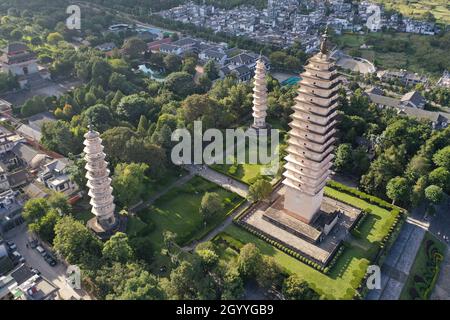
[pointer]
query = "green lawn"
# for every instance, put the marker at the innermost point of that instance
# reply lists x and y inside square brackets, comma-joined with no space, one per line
[178,211]
[422,276]
[340,284]
[245,172]
[134,226]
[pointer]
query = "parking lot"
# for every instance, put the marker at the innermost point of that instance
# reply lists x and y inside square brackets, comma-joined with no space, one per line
[55,274]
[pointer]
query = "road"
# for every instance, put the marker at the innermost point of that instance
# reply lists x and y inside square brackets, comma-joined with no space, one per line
[55,275]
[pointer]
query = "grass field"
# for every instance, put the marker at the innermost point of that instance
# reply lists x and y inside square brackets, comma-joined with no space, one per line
[178,211]
[417,8]
[346,275]
[421,275]
[388,52]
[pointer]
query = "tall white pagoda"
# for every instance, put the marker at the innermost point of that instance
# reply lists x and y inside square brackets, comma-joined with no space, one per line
[311,138]
[99,184]
[260,96]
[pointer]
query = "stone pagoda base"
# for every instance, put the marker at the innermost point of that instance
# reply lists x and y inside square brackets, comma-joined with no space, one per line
[318,240]
[258,130]
[104,234]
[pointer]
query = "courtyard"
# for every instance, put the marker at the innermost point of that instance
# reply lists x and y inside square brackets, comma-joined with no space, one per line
[346,275]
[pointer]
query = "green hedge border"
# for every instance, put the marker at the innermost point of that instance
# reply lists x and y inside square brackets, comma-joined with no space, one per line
[363,196]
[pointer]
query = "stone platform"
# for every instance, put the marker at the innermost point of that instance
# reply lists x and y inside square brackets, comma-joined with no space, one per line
[272,220]
[101,233]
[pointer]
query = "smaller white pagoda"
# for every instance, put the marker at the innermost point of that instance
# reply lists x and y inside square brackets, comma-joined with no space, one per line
[260,96]
[99,184]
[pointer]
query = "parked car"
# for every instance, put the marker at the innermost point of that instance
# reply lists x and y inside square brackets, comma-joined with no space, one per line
[11,245]
[35,271]
[41,250]
[50,259]
[18,257]
[33,243]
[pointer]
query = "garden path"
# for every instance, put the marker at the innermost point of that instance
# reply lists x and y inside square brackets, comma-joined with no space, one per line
[222,180]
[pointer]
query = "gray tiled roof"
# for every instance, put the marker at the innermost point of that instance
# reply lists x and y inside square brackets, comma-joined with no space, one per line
[383,100]
[414,97]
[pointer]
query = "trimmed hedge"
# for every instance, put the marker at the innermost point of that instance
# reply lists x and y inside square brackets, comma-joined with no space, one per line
[363,196]
[354,228]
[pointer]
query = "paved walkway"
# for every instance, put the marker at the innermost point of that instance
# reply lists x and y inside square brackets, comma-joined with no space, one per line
[398,263]
[219,178]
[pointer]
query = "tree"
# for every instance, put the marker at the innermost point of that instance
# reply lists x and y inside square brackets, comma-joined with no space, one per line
[131,107]
[127,281]
[45,226]
[34,209]
[210,205]
[54,38]
[75,242]
[33,106]
[208,258]
[172,62]
[99,116]
[398,189]
[259,190]
[210,69]
[249,261]
[129,182]
[204,83]
[442,158]
[118,249]
[271,275]
[181,282]
[58,136]
[440,177]
[180,83]
[134,48]
[434,194]
[295,288]
[189,65]
[233,286]
[343,161]
[101,72]
[77,172]
[142,127]
[201,108]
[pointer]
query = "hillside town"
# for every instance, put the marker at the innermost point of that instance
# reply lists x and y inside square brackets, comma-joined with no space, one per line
[285,22]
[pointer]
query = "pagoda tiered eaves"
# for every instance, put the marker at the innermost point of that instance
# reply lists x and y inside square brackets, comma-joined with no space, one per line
[259,96]
[99,182]
[311,138]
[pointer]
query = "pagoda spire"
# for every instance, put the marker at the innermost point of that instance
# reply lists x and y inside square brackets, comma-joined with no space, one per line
[324,42]
[260,96]
[99,183]
[311,138]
